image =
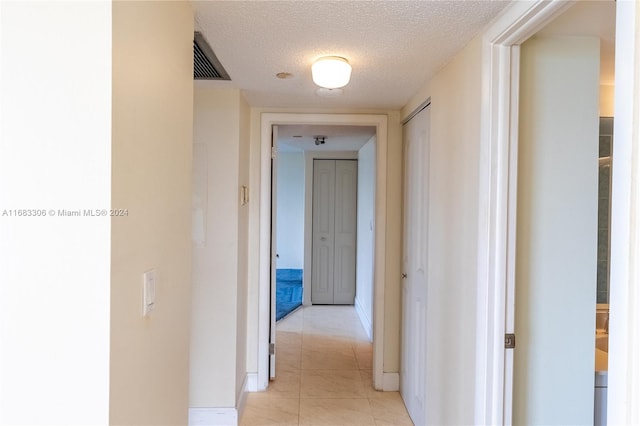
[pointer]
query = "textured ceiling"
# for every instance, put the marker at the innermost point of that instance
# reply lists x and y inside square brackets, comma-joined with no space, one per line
[298,138]
[393,46]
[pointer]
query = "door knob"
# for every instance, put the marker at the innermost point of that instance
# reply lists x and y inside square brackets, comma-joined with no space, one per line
[404,276]
[323,238]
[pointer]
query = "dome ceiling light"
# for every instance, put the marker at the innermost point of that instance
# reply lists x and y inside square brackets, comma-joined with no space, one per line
[331,72]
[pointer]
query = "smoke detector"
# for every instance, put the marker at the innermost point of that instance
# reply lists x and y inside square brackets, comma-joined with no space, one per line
[320,140]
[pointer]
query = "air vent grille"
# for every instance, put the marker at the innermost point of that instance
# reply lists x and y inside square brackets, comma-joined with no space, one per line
[205,63]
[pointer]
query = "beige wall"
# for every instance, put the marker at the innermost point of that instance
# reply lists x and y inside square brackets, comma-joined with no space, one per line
[453,235]
[151,167]
[557,231]
[392,279]
[243,248]
[218,342]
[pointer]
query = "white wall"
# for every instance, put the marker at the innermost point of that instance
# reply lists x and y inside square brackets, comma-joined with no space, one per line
[78,350]
[557,231]
[366,225]
[55,153]
[151,167]
[453,236]
[219,310]
[290,220]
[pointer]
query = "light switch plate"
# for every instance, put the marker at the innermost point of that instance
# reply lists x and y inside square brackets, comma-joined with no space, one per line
[149,292]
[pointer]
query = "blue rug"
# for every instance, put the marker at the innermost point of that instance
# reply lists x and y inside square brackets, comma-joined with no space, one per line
[288,291]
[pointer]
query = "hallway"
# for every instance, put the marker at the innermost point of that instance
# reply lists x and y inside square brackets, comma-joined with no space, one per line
[323,375]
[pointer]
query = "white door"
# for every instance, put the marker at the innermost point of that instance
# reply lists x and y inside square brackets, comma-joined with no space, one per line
[333,268]
[414,289]
[274,204]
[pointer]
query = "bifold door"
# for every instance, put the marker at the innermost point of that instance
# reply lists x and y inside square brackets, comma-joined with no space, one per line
[333,269]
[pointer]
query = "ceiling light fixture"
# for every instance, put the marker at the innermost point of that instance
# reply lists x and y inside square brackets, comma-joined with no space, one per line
[331,72]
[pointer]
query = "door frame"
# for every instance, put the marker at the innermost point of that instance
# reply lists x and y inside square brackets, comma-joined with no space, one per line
[497,202]
[497,207]
[267,120]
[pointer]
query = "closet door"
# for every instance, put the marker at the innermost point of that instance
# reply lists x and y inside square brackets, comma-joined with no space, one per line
[344,269]
[334,232]
[414,284]
[324,184]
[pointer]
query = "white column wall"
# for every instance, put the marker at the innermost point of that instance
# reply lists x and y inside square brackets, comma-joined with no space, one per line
[55,153]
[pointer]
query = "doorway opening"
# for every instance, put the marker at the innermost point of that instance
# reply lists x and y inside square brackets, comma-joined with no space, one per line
[303,152]
[269,121]
[497,257]
[558,172]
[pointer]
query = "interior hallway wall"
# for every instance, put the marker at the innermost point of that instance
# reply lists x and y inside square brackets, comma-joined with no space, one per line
[243,248]
[365,239]
[219,281]
[290,225]
[151,178]
[453,235]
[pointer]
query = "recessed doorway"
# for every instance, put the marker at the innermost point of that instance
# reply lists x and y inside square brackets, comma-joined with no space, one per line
[266,321]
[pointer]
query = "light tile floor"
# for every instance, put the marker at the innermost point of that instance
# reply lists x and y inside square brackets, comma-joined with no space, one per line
[323,375]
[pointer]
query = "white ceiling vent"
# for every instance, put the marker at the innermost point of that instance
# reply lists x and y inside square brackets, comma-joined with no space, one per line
[205,64]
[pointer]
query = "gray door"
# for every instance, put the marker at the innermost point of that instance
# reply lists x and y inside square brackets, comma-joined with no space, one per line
[333,268]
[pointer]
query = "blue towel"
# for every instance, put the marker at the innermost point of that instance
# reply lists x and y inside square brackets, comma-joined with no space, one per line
[288,291]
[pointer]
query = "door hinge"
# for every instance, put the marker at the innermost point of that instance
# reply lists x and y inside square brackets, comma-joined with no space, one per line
[509,341]
[272,348]
[273,152]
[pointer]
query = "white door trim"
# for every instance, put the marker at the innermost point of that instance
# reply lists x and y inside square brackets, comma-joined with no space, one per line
[624,297]
[497,215]
[266,121]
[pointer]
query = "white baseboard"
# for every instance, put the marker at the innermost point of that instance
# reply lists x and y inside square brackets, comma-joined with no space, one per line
[241,399]
[252,382]
[213,416]
[224,416]
[390,382]
[364,319]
